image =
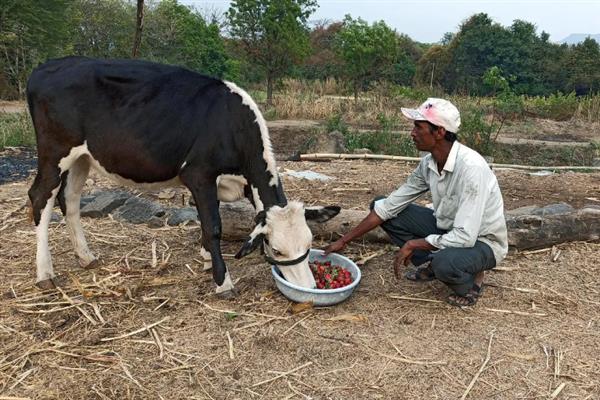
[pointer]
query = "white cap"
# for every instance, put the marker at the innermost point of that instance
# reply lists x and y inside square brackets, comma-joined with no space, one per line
[439,112]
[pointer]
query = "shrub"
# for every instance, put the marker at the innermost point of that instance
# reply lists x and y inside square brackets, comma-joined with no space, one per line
[558,107]
[476,132]
[16,129]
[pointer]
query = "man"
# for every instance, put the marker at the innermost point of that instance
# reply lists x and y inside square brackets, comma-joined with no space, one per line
[465,233]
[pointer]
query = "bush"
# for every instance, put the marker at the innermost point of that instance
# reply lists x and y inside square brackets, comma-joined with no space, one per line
[588,108]
[558,107]
[16,129]
[381,141]
[476,132]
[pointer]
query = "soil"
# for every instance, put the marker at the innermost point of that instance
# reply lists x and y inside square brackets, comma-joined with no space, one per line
[137,328]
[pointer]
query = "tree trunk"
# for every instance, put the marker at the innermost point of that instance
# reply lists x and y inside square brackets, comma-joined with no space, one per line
[139,25]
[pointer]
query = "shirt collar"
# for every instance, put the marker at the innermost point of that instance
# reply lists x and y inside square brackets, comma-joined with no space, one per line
[452,156]
[450,162]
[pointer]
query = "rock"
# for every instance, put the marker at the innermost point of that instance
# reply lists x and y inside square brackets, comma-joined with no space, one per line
[178,216]
[554,209]
[332,142]
[155,222]
[138,211]
[103,203]
[55,217]
[520,211]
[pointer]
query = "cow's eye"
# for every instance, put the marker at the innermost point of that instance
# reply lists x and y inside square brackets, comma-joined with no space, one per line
[276,252]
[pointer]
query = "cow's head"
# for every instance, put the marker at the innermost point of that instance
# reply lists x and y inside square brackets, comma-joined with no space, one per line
[287,239]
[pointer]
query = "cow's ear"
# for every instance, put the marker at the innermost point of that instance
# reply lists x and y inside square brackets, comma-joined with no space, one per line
[321,214]
[254,240]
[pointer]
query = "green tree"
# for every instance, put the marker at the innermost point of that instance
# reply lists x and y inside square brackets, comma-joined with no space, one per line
[367,51]
[475,48]
[322,61]
[272,33]
[30,32]
[583,66]
[431,67]
[176,34]
[103,28]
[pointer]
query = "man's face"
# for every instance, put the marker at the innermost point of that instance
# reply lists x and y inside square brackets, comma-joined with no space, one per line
[423,137]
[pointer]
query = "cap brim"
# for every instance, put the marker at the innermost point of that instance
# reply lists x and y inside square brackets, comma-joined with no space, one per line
[413,114]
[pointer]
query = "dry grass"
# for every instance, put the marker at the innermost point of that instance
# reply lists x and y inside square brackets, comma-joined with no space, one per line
[147,325]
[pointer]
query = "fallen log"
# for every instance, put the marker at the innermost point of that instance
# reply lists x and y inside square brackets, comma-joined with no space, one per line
[528,228]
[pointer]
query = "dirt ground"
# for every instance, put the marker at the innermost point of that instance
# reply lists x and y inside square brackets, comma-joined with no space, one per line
[134,329]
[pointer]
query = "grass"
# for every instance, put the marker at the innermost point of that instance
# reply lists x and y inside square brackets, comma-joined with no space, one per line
[16,130]
[544,156]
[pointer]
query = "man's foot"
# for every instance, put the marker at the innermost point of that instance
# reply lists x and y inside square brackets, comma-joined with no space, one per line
[470,299]
[420,274]
[467,300]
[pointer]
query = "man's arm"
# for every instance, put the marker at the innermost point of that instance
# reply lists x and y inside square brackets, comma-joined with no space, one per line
[369,223]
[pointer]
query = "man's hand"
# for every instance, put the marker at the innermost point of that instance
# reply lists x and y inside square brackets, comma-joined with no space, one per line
[405,253]
[403,257]
[335,247]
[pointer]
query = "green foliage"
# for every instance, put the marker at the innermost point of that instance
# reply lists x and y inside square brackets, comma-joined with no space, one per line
[272,33]
[16,129]
[367,51]
[583,66]
[30,32]
[588,108]
[102,28]
[382,141]
[476,132]
[176,34]
[336,123]
[558,107]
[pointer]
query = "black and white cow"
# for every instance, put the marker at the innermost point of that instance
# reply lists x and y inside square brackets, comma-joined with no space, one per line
[151,124]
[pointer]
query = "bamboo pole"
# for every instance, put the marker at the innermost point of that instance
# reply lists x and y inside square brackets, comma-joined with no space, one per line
[333,156]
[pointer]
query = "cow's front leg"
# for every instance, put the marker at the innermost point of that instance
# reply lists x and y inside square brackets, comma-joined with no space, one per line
[207,205]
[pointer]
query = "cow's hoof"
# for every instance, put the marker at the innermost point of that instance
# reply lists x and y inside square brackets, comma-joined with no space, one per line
[92,265]
[229,294]
[46,284]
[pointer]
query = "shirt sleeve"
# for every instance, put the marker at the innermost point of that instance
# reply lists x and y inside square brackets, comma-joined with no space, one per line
[467,222]
[397,201]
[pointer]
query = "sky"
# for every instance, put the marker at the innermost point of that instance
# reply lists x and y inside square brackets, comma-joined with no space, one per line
[427,20]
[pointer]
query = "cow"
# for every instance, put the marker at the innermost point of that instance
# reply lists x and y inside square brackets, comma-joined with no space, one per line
[156,125]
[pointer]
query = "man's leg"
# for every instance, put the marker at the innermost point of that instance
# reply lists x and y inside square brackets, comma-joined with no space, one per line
[457,267]
[414,222]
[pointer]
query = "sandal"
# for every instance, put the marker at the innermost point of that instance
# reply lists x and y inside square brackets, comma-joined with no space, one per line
[470,299]
[420,274]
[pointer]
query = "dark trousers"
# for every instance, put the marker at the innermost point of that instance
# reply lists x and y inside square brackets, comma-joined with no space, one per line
[456,267]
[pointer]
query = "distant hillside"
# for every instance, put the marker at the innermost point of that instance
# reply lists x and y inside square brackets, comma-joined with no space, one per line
[575,38]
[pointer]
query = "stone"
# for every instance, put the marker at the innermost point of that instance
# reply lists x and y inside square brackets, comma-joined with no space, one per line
[102,203]
[176,216]
[362,150]
[332,142]
[137,210]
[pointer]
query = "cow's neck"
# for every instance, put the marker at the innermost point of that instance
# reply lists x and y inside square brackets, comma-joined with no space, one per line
[265,194]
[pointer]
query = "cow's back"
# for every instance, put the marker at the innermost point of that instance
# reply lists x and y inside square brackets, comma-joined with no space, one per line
[138,119]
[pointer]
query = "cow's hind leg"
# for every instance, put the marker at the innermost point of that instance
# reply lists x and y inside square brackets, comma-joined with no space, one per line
[42,195]
[69,198]
[207,204]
